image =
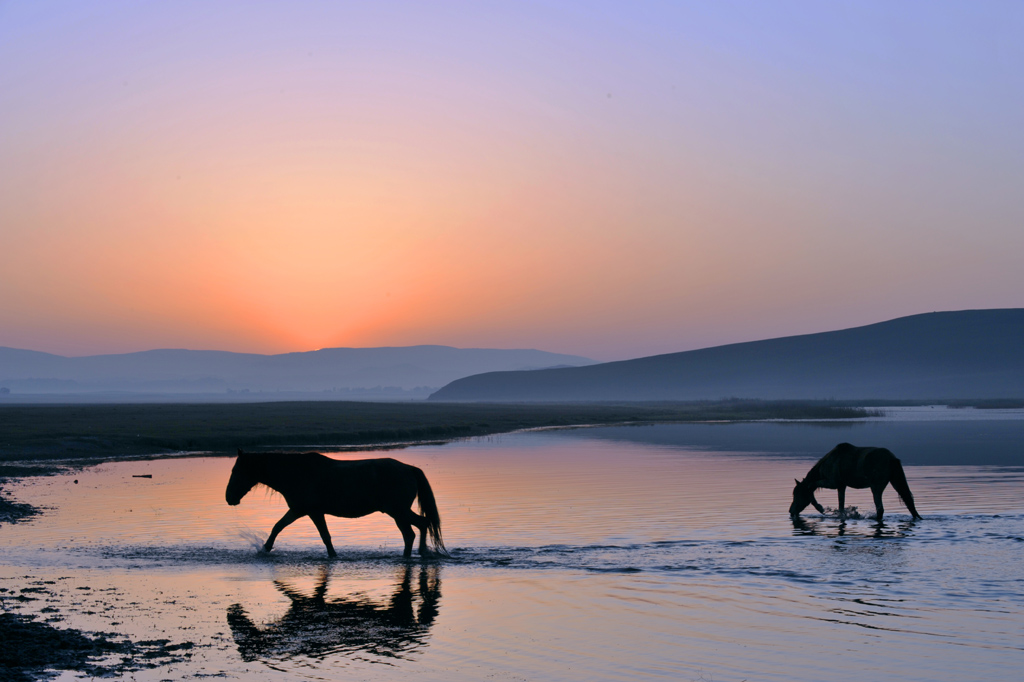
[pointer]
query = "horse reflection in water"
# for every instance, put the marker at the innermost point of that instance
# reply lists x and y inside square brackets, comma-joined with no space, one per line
[840,529]
[316,626]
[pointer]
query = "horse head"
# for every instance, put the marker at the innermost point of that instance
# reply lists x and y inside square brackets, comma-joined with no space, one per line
[243,478]
[803,495]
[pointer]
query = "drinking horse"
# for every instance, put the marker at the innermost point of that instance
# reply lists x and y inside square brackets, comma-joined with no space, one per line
[314,485]
[848,466]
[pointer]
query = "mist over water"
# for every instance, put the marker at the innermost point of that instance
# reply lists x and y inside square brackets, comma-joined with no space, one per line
[663,552]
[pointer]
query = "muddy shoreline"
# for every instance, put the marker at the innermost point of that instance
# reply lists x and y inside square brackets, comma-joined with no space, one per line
[33,649]
[12,511]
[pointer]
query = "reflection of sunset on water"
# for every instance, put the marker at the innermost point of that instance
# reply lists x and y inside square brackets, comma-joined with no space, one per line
[492,491]
[610,552]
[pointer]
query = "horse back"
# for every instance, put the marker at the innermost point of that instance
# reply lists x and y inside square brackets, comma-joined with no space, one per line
[855,467]
[353,488]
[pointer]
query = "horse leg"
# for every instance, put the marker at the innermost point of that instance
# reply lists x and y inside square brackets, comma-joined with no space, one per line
[842,501]
[879,509]
[408,534]
[406,520]
[289,517]
[321,525]
[421,523]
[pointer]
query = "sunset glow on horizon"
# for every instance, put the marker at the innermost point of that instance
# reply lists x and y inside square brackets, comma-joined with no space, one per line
[610,180]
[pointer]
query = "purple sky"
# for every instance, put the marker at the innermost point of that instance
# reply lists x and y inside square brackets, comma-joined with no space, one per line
[606,179]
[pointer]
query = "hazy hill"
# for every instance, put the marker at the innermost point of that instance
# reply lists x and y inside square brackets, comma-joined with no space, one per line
[343,372]
[966,354]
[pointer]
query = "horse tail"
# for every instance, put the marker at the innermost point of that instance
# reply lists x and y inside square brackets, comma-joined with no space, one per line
[899,483]
[428,508]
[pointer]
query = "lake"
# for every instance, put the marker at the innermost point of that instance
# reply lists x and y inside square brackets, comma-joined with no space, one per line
[611,553]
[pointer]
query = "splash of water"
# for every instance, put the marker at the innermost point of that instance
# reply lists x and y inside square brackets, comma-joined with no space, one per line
[252,537]
[851,513]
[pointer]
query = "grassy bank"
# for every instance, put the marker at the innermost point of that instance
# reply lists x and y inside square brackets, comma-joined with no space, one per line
[41,432]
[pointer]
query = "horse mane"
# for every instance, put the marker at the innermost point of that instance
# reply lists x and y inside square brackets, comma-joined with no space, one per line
[279,453]
[282,467]
[815,471]
[268,492]
[265,459]
[814,475]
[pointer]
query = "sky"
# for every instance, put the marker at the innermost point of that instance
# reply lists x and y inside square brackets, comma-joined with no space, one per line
[611,179]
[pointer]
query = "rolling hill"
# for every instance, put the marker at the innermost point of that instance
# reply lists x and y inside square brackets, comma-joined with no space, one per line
[945,355]
[333,373]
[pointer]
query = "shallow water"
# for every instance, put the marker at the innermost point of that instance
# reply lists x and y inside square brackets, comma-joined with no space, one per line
[614,553]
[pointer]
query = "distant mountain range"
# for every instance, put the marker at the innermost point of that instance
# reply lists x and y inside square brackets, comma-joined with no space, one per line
[947,355]
[331,373]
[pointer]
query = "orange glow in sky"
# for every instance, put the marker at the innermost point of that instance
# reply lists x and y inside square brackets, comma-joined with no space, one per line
[607,182]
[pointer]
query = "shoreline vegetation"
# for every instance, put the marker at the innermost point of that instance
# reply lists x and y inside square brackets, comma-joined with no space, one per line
[37,433]
[88,432]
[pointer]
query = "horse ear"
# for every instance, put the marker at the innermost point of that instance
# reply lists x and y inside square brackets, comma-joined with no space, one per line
[240,451]
[794,480]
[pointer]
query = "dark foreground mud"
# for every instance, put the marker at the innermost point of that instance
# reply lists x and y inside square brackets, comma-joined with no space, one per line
[32,649]
[10,510]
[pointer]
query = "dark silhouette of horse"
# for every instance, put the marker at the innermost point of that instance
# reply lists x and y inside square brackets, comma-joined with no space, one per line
[848,466]
[317,626]
[314,485]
